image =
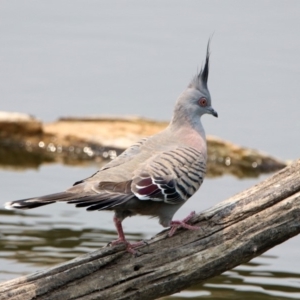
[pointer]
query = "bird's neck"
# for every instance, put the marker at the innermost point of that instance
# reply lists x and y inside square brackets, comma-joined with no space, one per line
[185,118]
[189,130]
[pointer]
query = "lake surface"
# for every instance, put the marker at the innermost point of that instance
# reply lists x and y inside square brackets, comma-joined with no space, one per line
[81,58]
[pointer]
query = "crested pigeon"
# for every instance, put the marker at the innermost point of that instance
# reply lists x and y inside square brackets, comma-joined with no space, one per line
[155,176]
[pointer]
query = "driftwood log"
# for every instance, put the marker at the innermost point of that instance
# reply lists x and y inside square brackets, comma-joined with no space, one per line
[233,232]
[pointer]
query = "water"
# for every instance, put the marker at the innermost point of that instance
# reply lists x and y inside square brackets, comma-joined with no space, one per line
[78,58]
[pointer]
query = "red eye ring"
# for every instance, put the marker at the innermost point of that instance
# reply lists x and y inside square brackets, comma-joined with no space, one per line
[202,102]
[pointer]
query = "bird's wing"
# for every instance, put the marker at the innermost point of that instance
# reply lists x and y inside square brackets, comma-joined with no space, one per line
[108,195]
[171,176]
[124,157]
[127,155]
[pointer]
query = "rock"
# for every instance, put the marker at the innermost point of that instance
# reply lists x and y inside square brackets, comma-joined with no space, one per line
[82,140]
[20,125]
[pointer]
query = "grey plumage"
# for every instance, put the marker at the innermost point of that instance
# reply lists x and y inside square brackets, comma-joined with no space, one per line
[156,175]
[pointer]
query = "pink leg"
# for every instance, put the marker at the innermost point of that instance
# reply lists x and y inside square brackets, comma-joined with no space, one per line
[121,238]
[182,224]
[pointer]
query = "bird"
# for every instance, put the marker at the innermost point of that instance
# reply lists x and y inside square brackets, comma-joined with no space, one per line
[153,177]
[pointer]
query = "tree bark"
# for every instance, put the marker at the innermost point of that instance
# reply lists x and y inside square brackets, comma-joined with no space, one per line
[233,232]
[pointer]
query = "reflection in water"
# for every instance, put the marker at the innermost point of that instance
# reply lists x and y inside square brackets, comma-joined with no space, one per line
[247,284]
[41,244]
[35,240]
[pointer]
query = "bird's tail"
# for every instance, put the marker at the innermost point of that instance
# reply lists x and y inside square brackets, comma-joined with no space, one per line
[39,201]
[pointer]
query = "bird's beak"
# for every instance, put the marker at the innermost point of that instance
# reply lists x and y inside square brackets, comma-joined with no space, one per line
[212,112]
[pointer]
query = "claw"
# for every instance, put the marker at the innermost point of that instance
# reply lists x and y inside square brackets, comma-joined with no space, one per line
[129,246]
[121,239]
[182,224]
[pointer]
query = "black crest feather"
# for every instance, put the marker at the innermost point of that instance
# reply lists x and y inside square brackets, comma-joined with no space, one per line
[203,75]
[200,80]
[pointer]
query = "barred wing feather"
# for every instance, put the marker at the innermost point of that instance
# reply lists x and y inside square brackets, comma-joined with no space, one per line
[172,176]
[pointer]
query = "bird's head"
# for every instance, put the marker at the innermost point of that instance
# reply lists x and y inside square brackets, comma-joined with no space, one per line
[198,89]
[195,101]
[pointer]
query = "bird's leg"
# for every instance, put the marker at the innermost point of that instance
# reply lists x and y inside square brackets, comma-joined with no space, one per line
[182,224]
[121,238]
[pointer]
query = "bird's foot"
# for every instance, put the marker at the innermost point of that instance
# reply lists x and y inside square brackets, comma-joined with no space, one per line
[129,246]
[182,224]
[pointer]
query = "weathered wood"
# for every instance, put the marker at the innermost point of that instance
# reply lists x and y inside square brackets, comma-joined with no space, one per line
[233,232]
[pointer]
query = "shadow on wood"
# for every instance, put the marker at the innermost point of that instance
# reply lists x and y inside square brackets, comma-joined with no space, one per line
[233,232]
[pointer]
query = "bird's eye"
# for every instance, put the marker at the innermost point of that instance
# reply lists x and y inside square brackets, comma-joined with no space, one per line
[202,102]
